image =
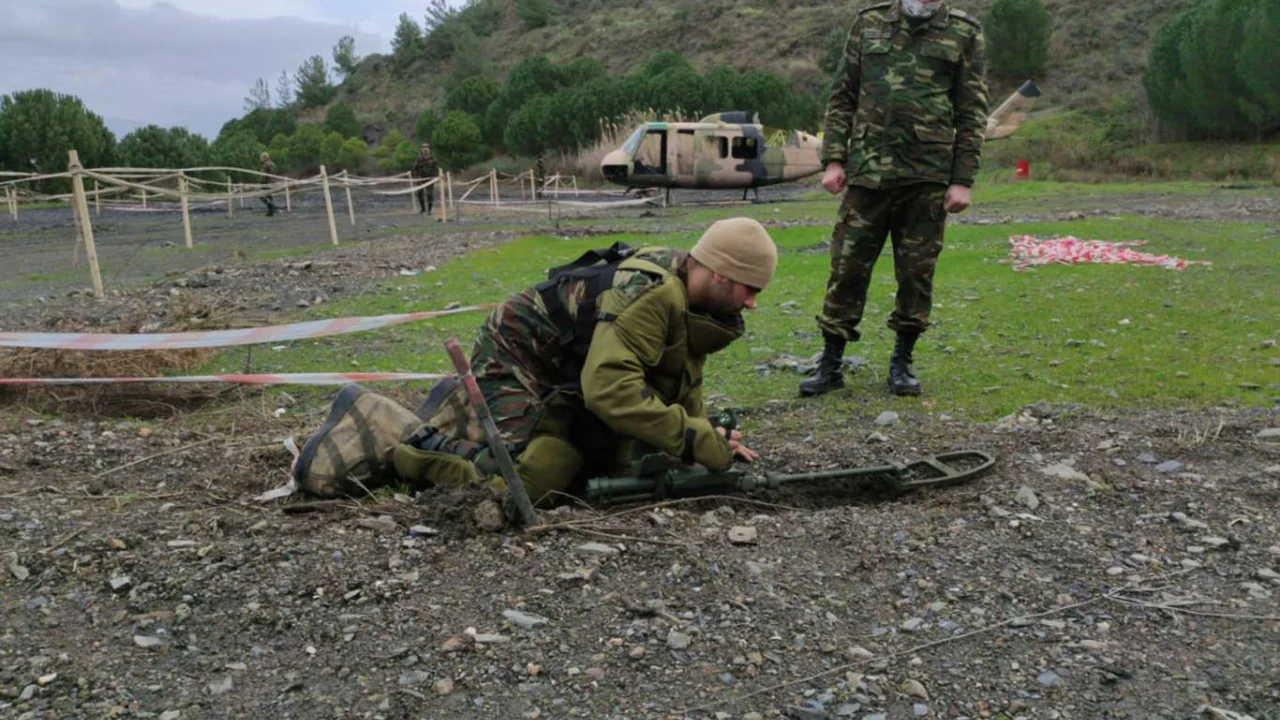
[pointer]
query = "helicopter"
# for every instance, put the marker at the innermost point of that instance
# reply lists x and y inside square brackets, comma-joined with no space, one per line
[730,150]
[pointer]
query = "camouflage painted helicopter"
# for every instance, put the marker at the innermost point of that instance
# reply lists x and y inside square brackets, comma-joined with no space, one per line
[729,151]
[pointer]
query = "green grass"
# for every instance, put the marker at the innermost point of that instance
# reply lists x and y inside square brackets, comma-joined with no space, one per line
[1001,338]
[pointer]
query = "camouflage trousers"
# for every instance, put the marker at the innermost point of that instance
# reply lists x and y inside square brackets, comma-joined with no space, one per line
[915,219]
[531,391]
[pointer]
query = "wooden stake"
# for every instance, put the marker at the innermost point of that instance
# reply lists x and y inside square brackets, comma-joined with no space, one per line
[351,208]
[144,197]
[575,184]
[97,199]
[328,205]
[440,185]
[82,208]
[186,212]
[8,201]
[288,204]
[493,186]
[231,208]
[413,203]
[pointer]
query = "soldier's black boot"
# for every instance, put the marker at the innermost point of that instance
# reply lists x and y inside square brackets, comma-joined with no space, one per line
[830,373]
[902,378]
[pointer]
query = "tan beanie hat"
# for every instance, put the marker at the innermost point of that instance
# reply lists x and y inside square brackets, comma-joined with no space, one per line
[739,249]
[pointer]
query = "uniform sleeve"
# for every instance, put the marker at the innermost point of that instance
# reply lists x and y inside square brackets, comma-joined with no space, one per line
[614,387]
[970,103]
[843,101]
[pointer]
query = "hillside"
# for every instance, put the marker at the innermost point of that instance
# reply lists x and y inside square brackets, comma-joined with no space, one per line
[1098,48]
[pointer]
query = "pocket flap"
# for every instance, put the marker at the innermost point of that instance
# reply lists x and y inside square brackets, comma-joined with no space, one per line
[935,134]
[940,51]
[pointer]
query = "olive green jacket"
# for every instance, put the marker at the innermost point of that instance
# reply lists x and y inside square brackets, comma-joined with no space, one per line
[643,373]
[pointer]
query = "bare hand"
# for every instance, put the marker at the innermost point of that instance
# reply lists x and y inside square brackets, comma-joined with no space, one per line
[741,451]
[833,178]
[957,199]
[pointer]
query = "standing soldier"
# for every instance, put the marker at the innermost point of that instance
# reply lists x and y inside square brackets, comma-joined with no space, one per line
[904,129]
[268,167]
[423,168]
[539,174]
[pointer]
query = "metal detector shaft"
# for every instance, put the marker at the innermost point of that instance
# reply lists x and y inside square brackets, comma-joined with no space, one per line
[515,487]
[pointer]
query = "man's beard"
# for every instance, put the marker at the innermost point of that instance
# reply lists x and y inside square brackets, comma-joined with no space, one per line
[920,8]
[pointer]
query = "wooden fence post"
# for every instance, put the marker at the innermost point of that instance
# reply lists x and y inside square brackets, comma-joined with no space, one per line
[328,205]
[144,199]
[346,185]
[288,202]
[413,202]
[444,199]
[231,208]
[86,230]
[8,201]
[97,199]
[186,210]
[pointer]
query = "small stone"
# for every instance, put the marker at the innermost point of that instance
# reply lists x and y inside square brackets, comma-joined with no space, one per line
[413,677]
[743,535]
[220,685]
[636,653]
[171,715]
[444,686]
[146,641]
[46,679]
[913,688]
[522,620]
[753,716]
[877,437]
[28,692]
[1115,570]
[912,624]
[1189,564]
[677,640]
[887,418]
[857,652]
[1267,574]
[1048,678]
[379,524]
[1027,498]
[600,548]
[423,530]
[920,709]
[1169,466]
[119,582]
[1063,471]
[1273,470]
[1215,541]
[1186,522]
[595,673]
[1268,434]
[1147,459]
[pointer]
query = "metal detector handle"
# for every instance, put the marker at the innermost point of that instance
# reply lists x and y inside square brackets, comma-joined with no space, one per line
[515,487]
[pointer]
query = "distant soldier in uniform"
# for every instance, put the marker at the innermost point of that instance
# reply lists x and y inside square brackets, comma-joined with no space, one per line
[904,130]
[539,174]
[424,168]
[601,361]
[269,167]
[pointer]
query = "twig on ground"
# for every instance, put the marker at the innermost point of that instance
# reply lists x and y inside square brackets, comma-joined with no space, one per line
[632,538]
[655,506]
[148,458]
[66,538]
[1188,611]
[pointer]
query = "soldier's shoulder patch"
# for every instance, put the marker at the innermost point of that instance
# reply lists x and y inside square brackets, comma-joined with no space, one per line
[962,15]
[875,8]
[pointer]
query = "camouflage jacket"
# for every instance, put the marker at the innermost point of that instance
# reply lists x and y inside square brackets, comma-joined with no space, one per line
[909,100]
[425,166]
[268,167]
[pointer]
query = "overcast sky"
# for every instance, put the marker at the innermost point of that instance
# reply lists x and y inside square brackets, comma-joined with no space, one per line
[178,62]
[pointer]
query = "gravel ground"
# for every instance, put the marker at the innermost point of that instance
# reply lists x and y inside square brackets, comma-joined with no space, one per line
[1122,565]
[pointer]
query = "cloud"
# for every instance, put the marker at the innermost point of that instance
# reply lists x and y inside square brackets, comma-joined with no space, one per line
[159,64]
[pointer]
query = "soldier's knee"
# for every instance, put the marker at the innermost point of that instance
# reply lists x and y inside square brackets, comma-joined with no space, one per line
[548,464]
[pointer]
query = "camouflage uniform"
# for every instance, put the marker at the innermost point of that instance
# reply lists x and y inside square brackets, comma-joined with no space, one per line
[539,175]
[424,168]
[267,166]
[642,373]
[906,117]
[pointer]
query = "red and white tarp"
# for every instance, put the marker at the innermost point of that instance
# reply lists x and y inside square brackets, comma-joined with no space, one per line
[258,379]
[1028,251]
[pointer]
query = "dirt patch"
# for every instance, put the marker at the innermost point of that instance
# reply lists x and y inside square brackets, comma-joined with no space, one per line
[156,587]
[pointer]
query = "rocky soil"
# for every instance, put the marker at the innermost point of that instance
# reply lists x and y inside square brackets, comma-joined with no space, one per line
[1121,565]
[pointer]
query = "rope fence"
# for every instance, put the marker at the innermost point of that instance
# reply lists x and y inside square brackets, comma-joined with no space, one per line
[183,191]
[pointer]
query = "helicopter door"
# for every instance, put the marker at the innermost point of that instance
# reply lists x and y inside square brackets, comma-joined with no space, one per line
[651,157]
[686,154]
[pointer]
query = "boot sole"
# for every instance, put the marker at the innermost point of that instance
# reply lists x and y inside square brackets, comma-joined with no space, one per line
[904,392]
[811,393]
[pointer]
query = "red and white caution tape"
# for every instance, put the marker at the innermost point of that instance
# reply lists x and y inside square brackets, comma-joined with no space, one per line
[219,338]
[1026,251]
[261,379]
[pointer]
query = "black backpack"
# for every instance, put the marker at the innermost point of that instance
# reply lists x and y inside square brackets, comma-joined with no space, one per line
[597,267]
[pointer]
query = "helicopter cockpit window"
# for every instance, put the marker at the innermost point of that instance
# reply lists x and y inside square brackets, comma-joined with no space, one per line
[746,148]
[723,143]
[651,155]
